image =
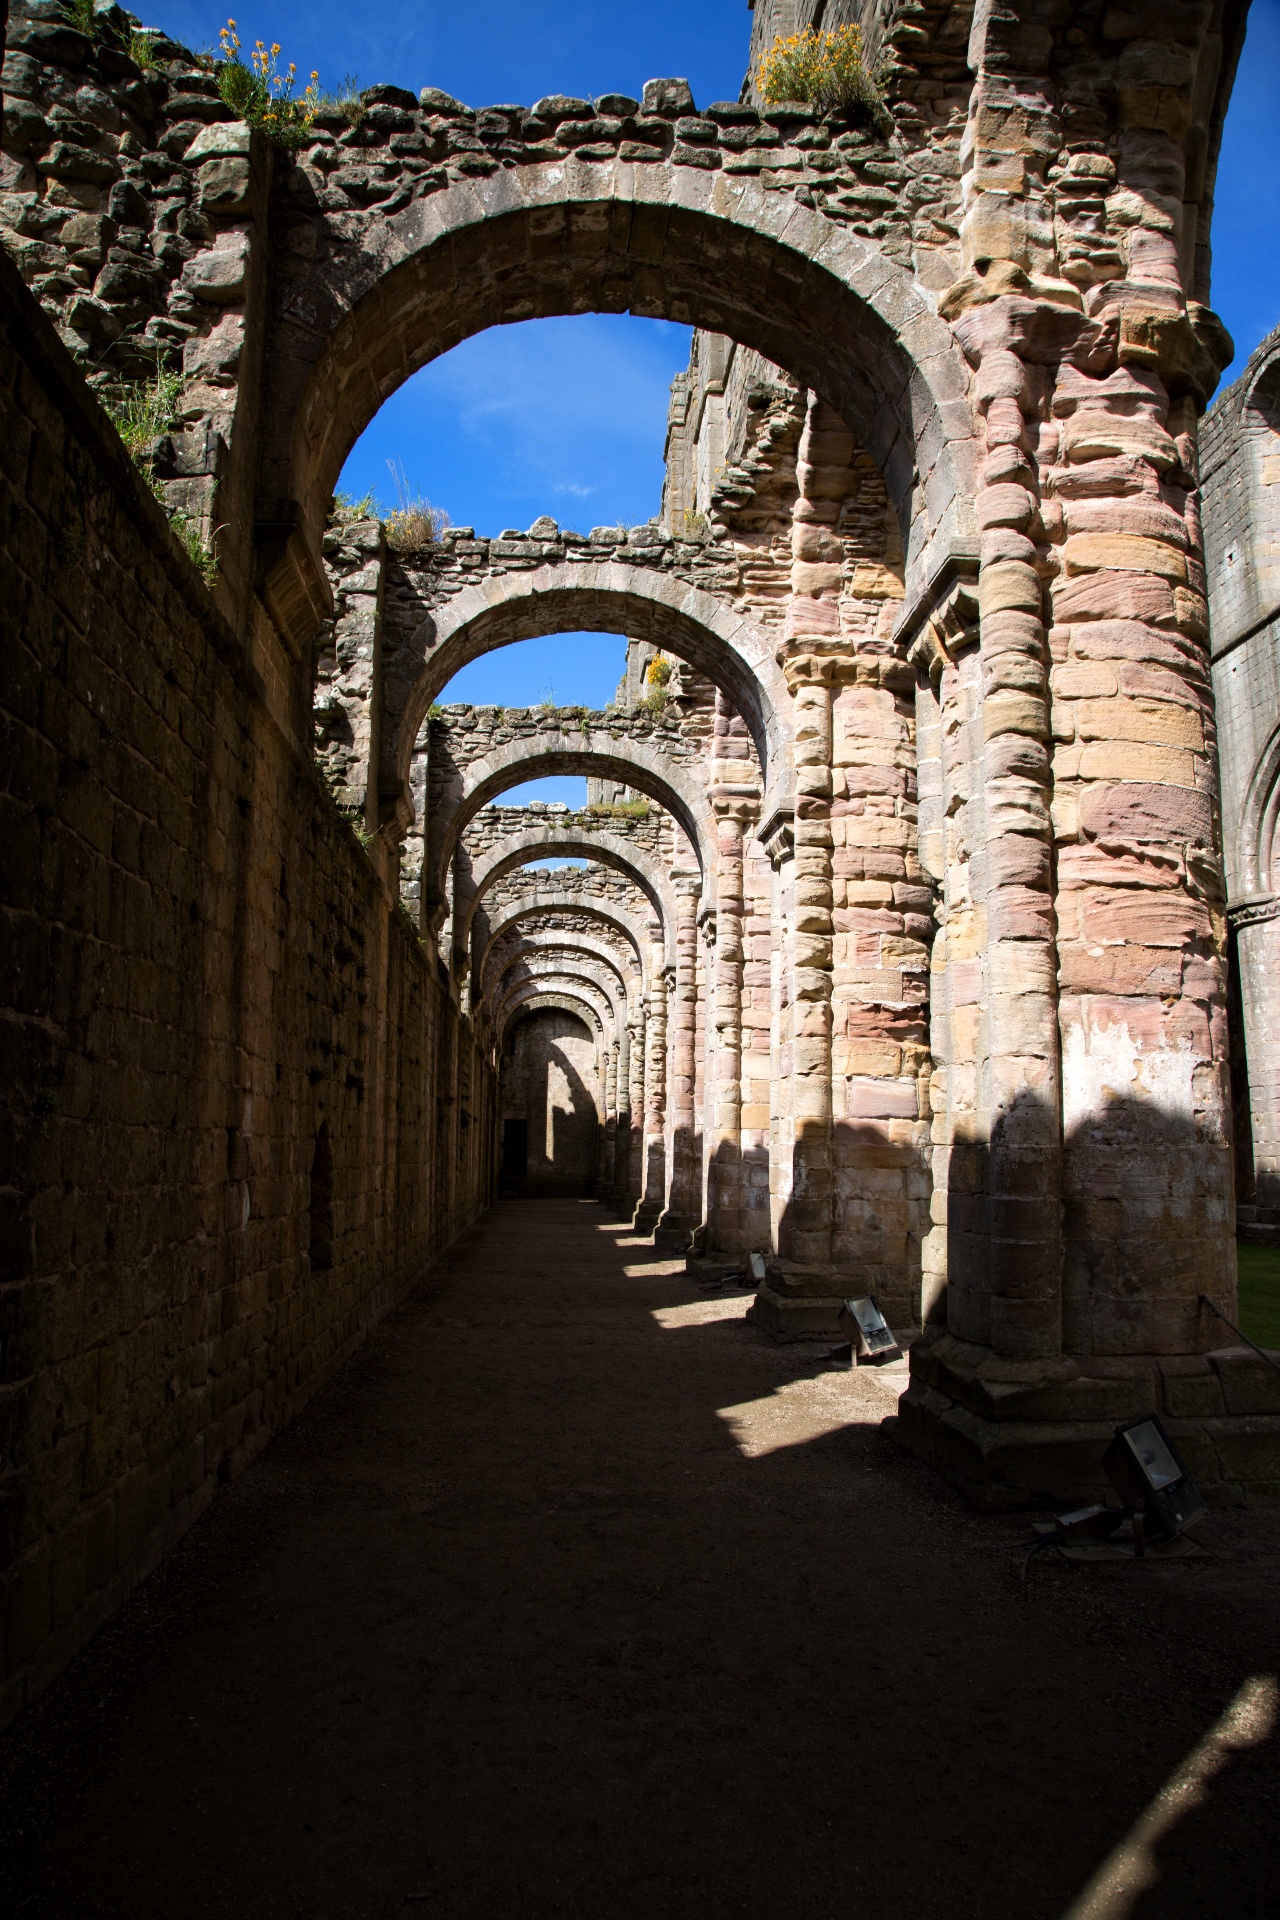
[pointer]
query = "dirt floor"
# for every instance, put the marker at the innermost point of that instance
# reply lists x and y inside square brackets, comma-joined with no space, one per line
[574,1595]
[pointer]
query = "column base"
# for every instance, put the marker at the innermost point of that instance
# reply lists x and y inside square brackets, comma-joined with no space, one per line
[674,1231]
[788,1318]
[1026,1433]
[646,1215]
[799,1302]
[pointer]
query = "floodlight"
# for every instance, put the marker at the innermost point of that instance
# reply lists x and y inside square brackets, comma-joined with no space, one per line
[873,1339]
[1142,1465]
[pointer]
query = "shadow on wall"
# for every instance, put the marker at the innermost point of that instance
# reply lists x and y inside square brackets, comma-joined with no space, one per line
[320,1203]
[549,1118]
[1099,1243]
[859,1203]
[1144,1225]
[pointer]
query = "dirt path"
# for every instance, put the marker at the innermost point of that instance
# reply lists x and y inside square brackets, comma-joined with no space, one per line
[575,1596]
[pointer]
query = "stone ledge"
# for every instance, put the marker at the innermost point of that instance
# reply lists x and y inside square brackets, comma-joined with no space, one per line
[1098,1387]
[1028,1433]
[795,1316]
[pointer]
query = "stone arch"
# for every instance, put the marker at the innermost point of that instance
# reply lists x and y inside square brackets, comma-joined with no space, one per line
[610,916]
[610,851]
[659,239]
[1262,402]
[603,1019]
[588,596]
[566,963]
[580,947]
[1259,823]
[534,756]
[563,1002]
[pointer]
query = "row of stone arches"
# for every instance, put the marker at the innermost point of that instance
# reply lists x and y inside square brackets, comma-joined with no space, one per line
[1008,314]
[926,993]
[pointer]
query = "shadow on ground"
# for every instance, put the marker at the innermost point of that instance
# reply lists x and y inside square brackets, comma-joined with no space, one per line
[573,1595]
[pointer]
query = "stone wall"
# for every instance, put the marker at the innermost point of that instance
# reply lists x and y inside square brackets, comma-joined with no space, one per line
[243,1113]
[1240,476]
[549,1081]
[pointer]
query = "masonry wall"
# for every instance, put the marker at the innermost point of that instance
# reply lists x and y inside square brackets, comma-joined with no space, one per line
[202,970]
[1240,478]
[549,1081]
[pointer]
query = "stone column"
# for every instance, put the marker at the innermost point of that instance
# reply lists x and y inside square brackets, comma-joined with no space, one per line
[653,1190]
[609,1134]
[682,1211]
[725,1211]
[807,1233]
[634,1183]
[802,1293]
[622,1147]
[756,1047]
[776,837]
[348,682]
[1090,1182]
[931,846]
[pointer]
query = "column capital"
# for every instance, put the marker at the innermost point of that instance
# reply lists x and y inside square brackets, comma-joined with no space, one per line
[777,835]
[735,802]
[811,667]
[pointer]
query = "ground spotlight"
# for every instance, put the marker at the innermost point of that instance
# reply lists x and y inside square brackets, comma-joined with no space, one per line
[1143,1466]
[872,1339]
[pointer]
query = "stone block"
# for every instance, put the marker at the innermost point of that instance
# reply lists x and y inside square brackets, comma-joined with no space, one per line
[1126,718]
[1148,765]
[1128,552]
[225,186]
[1248,1384]
[1138,809]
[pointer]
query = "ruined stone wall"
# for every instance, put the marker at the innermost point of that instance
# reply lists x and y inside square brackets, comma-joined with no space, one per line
[204,972]
[649,828]
[1240,478]
[594,885]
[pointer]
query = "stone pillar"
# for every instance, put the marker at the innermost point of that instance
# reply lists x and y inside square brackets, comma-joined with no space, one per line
[616,1193]
[348,681]
[754,1118]
[1148,1176]
[634,1184]
[1089,1199]
[931,844]
[726,1225]
[609,1135]
[883,930]
[682,1211]
[804,1233]
[654,1175]
[802,1292]
[776,838]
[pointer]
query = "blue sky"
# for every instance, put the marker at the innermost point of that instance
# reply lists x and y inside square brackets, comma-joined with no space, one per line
[1246,220]
[567,416]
